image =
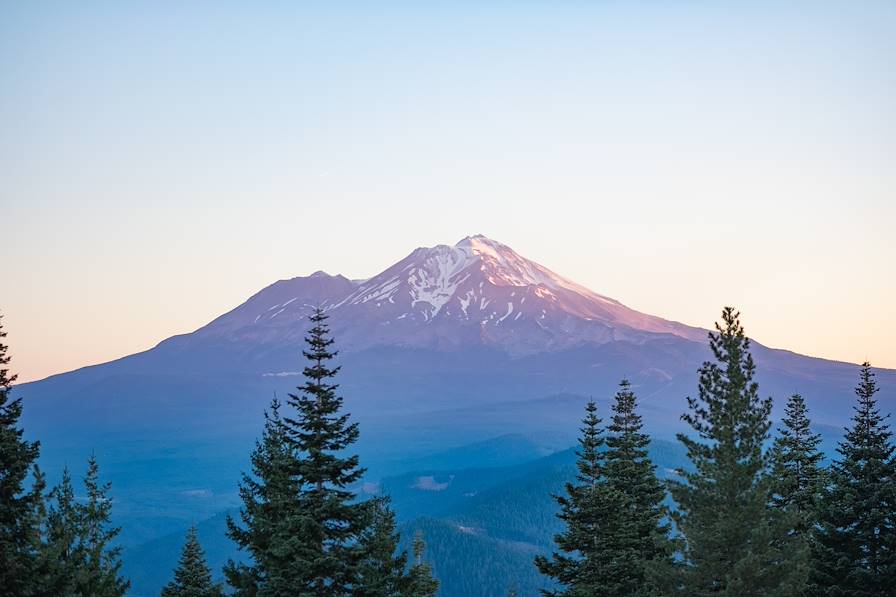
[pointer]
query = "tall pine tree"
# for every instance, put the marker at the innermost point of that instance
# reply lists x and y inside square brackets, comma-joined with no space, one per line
[587,562]
[192,577]
[331,520]
[644,542]
[797,476]
[736,543]
[855,541]
[98,573]
[60,565]
[19,503]
[303,526]
[270,503]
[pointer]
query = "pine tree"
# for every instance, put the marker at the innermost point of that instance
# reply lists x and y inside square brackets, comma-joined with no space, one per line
[60,566]
[644,537]
[420,580]
[855,542]
[586,562]
[269,498]
[382,571]
[331,520]
[19,505]
[736,544]
[797,476]
[192,577]
[303,526]
[99,563]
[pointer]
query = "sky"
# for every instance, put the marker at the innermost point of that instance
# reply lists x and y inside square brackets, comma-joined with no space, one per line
[161,162]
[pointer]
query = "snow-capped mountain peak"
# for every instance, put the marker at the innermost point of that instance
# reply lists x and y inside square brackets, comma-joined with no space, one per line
[505,267]
[476,291]
[428,276]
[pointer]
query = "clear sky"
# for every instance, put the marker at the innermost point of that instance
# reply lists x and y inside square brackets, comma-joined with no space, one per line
[161,162]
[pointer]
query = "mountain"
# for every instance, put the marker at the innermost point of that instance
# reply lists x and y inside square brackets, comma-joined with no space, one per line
[452,346]
[477,292]
[462,325]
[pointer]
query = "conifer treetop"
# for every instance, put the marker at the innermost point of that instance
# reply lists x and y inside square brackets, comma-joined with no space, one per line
[797,476]
[735,543]
[590,462]
[100,559]
[6,380]
[855,540]
[192,577]
[728,414]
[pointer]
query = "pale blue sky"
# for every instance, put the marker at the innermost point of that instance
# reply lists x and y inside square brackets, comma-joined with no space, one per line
[160,162]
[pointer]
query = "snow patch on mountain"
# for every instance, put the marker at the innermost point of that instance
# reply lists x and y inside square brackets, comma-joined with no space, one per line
[505,267]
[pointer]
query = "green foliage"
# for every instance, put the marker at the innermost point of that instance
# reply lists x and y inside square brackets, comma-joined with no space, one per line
[61,550]
[855,542]
[587,562]
[736,543]
[382,570]
[797,478]
[62,531]
[304,529]
[616,540]
[420,581]
[269,504]
[20,506]
[192,577]
[331,522]
[97,573]
[77,557]
[644,545]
